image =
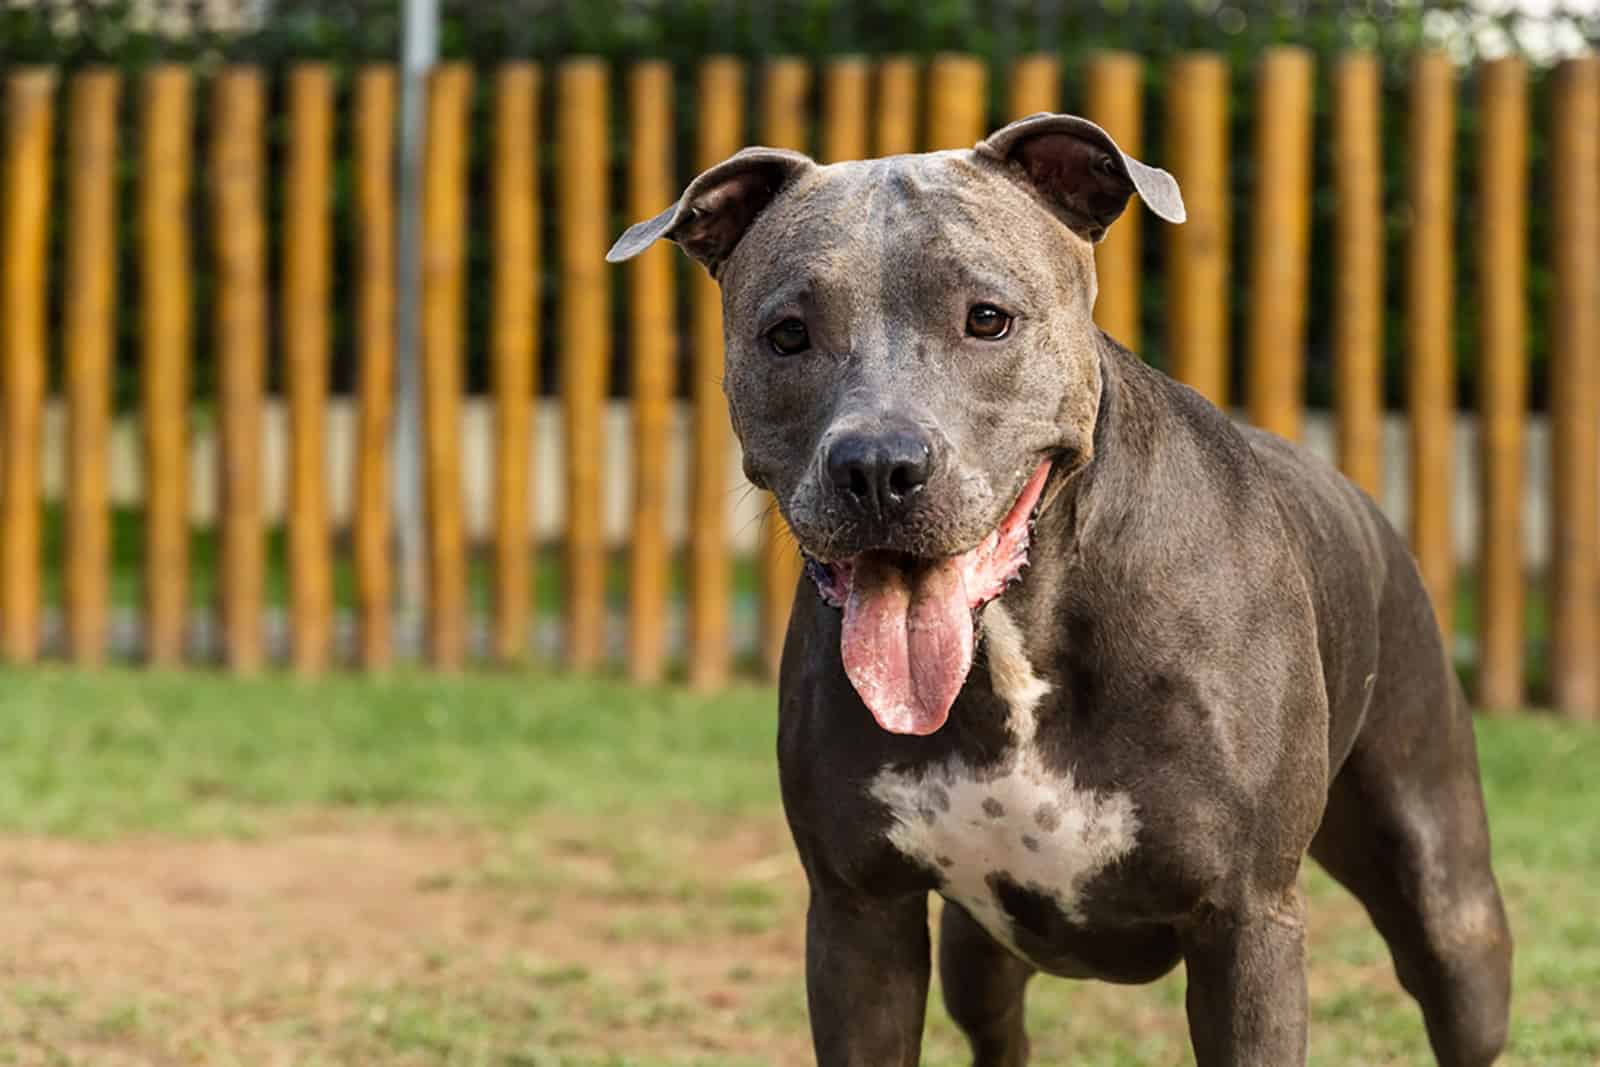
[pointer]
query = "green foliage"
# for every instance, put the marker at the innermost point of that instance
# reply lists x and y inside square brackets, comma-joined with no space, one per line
[351,32]
[115,752]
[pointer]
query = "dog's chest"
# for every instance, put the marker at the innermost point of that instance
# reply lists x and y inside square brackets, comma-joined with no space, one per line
[1018,827]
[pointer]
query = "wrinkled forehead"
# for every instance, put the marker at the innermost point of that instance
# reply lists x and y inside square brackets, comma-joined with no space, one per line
[946,217]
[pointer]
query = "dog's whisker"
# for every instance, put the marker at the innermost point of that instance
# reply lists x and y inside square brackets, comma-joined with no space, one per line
[756,520]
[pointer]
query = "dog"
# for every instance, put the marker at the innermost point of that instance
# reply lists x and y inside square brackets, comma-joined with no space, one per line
[1080,654]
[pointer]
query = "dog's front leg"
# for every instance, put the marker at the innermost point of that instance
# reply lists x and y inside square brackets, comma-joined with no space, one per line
[867,964]
[1247,988]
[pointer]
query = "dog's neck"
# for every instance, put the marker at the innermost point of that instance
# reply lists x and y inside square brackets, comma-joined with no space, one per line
[1103,488]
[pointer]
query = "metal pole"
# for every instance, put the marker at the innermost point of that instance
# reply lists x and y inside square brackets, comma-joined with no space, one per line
[419,51]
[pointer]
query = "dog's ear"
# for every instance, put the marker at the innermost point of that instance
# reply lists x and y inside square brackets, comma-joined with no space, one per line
[1078,169]
[718,207]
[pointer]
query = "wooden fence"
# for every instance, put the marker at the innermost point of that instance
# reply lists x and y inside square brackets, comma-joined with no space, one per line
[893,105]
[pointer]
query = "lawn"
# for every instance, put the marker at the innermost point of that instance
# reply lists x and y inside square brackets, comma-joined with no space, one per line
[532,870]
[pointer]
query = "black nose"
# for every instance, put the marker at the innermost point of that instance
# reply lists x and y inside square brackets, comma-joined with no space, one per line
[880,472]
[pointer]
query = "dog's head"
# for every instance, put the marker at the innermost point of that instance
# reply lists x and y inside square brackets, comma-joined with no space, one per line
[910,353]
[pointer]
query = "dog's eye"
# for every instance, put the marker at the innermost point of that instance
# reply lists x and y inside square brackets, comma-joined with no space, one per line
[987,322]
[789,337]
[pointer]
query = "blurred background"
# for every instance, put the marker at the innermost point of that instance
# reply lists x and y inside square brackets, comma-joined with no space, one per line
[1369,164]
[388,629]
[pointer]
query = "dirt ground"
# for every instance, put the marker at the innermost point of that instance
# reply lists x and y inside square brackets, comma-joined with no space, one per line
[335,941]
[352,939]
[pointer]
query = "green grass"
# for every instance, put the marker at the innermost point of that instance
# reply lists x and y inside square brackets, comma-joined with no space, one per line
[122,751]
[637,902]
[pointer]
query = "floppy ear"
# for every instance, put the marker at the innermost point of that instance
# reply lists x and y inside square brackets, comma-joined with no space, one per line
[1078,169]
[718,207]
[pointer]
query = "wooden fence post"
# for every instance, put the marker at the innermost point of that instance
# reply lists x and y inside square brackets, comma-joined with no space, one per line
[653,319]
[784,99]
[239,235]
[1575,391]
[896,119]
[783,126]
[1430,326]
[721,98]
[1115,99]
[375,311]
[90,322]
[1280,233]
[515,345]
[1358,269]
[164,276]
[307,248]
[1197,154]
[844,110]
[1035,85]
[30,93]
[958,102]
[444,233]
[1502,376]
[582,138]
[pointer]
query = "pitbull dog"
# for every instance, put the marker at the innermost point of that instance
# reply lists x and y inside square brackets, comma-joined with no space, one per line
[1219,657]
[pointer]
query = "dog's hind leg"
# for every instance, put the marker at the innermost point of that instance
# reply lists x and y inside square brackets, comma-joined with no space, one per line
[983,987]
[1405,831]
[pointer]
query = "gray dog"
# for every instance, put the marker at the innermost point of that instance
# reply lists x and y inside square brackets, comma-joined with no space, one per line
[1092,662]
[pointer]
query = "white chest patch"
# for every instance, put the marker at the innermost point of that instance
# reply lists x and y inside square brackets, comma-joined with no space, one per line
[1035,827]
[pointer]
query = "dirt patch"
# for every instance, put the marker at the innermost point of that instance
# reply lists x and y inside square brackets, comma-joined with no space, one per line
[366,941]
[197,908]
[344,940]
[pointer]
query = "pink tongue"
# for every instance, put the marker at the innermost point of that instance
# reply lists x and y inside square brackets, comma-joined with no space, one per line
[907,641]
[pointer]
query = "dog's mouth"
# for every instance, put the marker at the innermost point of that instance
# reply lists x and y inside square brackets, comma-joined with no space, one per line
[909,622]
